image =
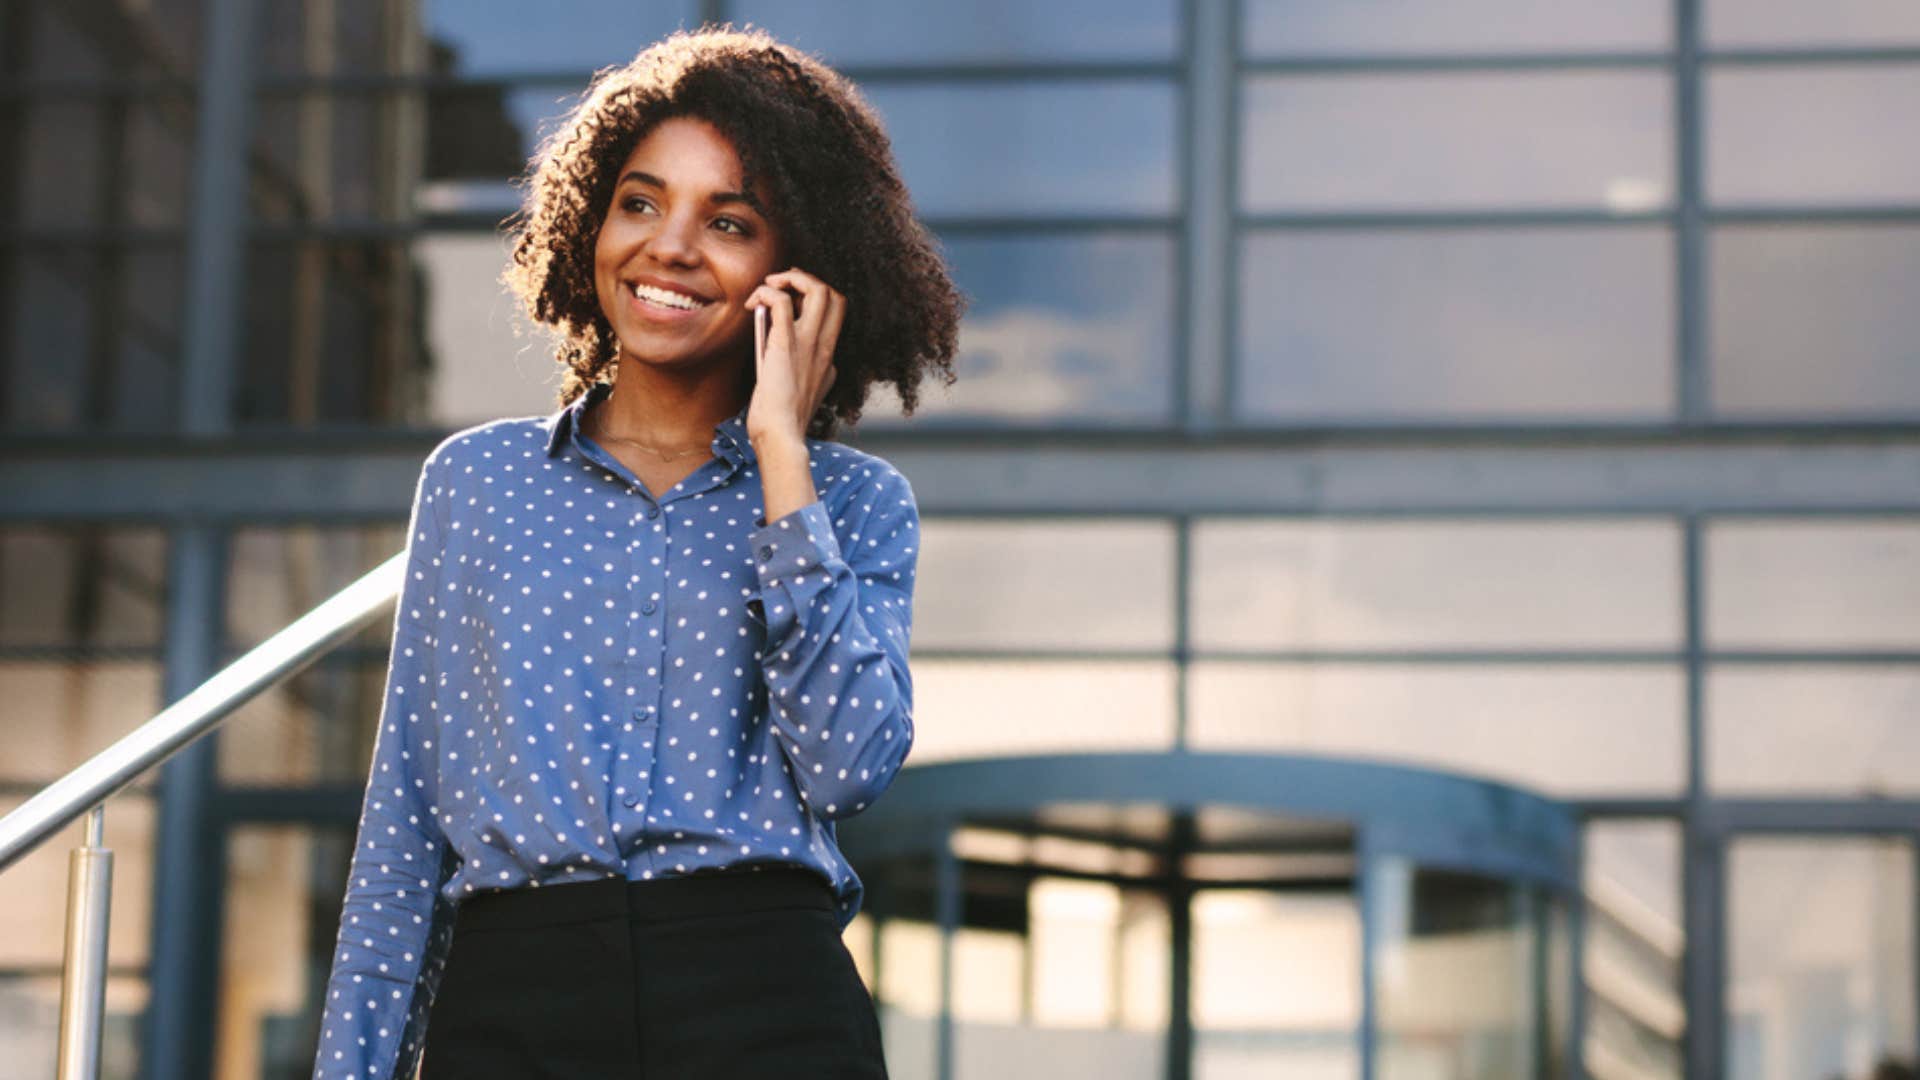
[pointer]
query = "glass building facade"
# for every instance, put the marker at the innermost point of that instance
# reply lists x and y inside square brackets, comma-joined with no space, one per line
[1521,393]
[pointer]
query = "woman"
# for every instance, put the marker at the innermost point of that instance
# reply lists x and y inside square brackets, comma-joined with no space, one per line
[633,686]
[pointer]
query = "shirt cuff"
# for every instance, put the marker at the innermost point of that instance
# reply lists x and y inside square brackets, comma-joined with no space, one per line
[793,545]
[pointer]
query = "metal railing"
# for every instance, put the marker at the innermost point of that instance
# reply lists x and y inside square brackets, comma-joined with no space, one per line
[83,981]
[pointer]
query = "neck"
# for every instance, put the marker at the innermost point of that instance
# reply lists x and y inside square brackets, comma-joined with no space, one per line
[667,409]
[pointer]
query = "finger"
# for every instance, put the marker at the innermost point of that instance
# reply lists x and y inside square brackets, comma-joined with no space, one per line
[814,294]
[779,304]
[834,318]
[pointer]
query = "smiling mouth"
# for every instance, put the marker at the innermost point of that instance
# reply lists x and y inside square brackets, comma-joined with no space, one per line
[666,299]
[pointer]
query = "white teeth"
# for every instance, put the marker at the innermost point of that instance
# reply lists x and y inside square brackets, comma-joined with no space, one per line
[666,298]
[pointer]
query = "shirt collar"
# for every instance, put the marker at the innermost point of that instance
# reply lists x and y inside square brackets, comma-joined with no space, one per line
[729,436]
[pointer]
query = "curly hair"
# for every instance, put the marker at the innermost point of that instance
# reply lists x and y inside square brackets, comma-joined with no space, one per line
[805,136]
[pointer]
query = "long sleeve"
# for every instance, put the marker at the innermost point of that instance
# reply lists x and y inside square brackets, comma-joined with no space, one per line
[394,926]
[839,690]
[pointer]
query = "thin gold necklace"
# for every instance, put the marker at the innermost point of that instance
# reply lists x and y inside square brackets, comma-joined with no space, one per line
[594,418]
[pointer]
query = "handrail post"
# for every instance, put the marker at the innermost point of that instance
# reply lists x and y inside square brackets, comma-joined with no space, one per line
[83,979]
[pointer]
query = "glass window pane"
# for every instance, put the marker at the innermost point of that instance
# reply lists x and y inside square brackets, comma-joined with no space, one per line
[82,585]
[1457,140]
[1075,148]
[1820,952]
[66,172]
[1320,584]
[1813,730]
[472,37]
[1554,323]
[1276,984]
[329,334]
[1042,975]
[317,727]
[1458,985]
[1825,584]
[282,894]
[1563,729]
[1636,1011]
[1047,584]
[887,32]
[997,708]
[487,359]
[276,575]
[1795,23]
[1809,320]
[60,713]
[152,38]
[1287,28]
[1061,329]
[90,337]
[1813,133]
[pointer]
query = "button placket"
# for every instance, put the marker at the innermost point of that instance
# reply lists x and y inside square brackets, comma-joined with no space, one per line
[646,580]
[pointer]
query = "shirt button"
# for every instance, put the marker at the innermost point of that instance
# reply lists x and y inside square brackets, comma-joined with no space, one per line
[766,552]
[647,608]
[631,801]
[653,511]
[641,712]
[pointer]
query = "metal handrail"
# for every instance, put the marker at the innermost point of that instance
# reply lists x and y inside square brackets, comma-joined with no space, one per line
[83,791]
[285,653]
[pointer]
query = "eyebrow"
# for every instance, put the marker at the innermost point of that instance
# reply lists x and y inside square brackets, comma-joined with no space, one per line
[717,197]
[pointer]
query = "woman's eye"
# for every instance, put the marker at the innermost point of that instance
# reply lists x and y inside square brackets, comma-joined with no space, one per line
[737,225]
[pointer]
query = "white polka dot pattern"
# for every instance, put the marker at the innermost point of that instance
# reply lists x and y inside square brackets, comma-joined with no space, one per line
[589,682]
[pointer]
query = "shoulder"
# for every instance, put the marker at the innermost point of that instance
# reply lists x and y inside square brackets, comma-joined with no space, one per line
[489,447]
[860,479]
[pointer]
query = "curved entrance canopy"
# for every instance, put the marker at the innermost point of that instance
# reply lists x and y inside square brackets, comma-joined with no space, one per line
[1176,915]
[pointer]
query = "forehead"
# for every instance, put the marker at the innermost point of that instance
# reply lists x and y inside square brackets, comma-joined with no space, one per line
[687,152]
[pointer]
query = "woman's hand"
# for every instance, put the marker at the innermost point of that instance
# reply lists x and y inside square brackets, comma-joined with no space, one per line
[793,375]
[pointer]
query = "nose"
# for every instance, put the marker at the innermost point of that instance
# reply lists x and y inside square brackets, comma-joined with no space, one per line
[672,240]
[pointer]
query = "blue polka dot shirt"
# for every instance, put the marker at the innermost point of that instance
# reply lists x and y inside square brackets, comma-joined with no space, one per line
[590,682]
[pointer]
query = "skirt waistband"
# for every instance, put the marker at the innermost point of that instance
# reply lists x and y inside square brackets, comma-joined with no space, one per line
[704,892]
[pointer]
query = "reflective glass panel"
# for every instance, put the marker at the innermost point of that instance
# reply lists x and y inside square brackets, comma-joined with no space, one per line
[1814,729]
[1288,28]
[64,40]
[1276,984]
[82,585]
[993,708]
[1593,139]
[1043,974]
[102,162]
[1079,147]
[1455,975]
[282,897]
[1430,584]
[1636,1009]
[488,359]
[1563,729]
[1811,320]
[459,37]
[1820,955]
[60,713]
[887,32]
[471,37]
[1829,134]
[1453,324]
[1828,583]
[1796,24]
[329,335]
[986,584]
[1061,329]
[90,337]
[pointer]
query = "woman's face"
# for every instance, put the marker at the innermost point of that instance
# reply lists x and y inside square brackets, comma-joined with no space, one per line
[682,248]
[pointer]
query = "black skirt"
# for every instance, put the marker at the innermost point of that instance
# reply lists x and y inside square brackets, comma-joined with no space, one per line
[738,974]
